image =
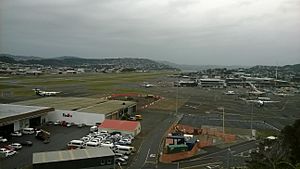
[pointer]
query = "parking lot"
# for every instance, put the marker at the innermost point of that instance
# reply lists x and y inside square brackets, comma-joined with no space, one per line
[60,136]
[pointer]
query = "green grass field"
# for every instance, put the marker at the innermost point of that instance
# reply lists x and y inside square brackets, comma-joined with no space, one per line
[21,87]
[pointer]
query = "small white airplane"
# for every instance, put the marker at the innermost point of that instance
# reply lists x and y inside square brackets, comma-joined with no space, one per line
[282,94]
[44,93]
[230,92]
[260,102]
[147,85]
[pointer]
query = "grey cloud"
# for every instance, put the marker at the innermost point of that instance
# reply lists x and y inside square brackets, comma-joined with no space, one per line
[191,32]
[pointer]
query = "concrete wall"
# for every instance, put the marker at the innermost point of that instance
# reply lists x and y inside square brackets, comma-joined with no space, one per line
[16,125]
[23,123]
[75,117]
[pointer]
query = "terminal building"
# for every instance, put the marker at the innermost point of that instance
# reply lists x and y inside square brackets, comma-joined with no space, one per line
[94,158]
[17,117]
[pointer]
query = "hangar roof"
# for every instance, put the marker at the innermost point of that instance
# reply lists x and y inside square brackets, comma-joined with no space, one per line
[11,112]
[119,125]
[63,103]
[67,155]
[82,104]
[108,106]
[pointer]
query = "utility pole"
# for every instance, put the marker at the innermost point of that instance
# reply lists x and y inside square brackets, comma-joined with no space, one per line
[228,158]
[176,111]
[251,120]
[223,120]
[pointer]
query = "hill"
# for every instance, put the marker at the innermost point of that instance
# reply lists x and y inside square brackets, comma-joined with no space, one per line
[64,61]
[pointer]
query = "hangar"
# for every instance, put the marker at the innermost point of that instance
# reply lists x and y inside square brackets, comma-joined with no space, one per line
[17,117]
[89,111]
[94,158]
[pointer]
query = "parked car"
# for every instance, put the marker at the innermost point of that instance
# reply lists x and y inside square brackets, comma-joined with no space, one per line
[28,130]
[57,123]
[16,146]
[2,139]
[8,153]
[16,134]
[121,161]
[122,156]
[2,150]
[26,143]
[48,123]
[9,147]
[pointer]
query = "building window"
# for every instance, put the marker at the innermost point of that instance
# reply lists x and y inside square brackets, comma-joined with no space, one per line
[109,161]
[102,162]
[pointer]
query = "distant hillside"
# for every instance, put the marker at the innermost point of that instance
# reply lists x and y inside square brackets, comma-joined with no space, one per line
[200,67]
[21,58]
[286,68]
[133,63]
[295,68]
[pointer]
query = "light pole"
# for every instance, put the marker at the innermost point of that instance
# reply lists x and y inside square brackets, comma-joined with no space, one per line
[223,121]
[176,111]
[251,121]
[228,158]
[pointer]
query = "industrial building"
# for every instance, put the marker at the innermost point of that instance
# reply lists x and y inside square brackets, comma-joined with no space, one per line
[213,83]
[125,127]
[95,158]
[83,110]
[17,117]
[186,83]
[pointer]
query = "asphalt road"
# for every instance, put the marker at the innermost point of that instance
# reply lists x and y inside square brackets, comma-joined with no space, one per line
[226,157]
[148,153]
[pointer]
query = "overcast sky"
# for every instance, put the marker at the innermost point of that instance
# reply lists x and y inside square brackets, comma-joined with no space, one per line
[217,32]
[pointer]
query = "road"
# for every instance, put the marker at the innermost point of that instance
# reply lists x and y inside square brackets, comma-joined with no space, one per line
[226,156]
[148,153]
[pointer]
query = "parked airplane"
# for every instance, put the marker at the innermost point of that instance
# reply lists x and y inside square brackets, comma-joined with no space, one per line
[260,102]
[282,94]
[230,92]
[147,85]
[44,93]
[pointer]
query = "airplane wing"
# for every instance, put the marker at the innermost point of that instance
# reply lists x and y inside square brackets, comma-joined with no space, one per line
[271,101]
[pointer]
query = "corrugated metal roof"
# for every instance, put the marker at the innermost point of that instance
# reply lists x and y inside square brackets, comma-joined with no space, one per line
[67,155]
[81,104]
[119,125]
[7,110]
[11,112]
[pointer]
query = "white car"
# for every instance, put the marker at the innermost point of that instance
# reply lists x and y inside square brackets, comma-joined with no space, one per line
[16,134]
[2,150]
[3,140]
[121,161]
[97,140]
[119,155]
[16,146]
[9,153]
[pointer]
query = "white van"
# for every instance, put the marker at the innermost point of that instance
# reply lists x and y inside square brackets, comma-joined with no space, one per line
[91,144]
[111,145]
[28,130]
[127,150]
[75,144]
[94,128]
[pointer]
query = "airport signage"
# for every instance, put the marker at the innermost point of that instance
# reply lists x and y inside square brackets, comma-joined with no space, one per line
[67,115]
